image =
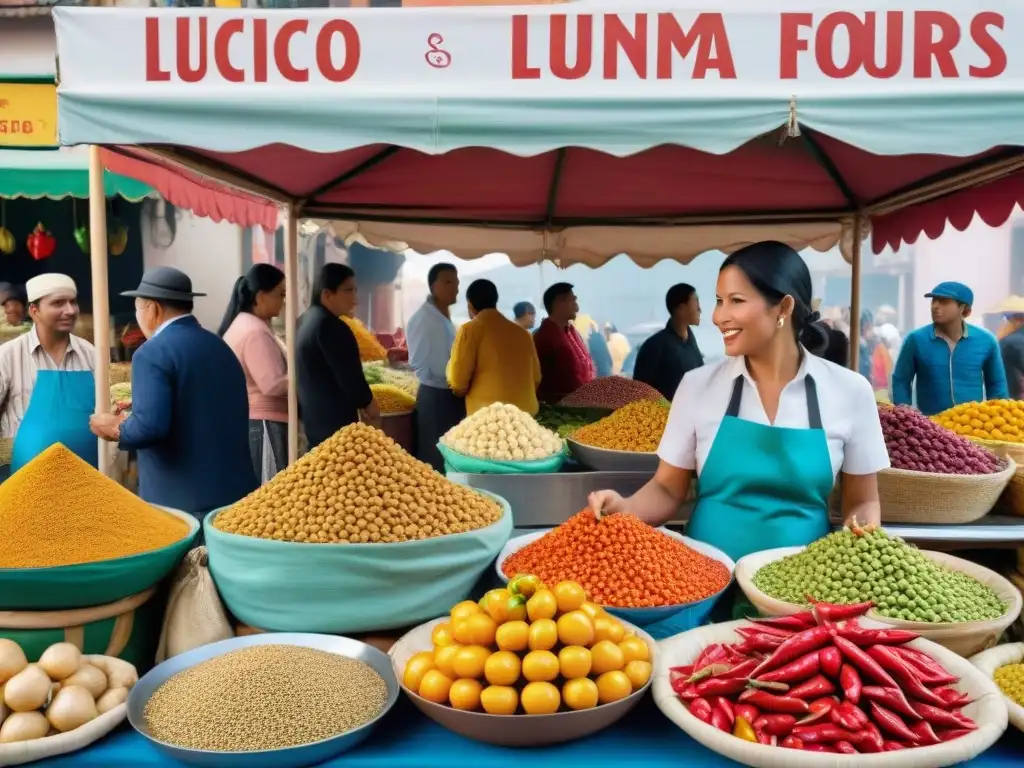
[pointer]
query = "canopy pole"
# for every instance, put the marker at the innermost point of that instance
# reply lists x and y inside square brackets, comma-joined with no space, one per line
[291,312]
[100,293]
[855,254]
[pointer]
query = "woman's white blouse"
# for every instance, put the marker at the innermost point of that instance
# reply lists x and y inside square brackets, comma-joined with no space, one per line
[849,414]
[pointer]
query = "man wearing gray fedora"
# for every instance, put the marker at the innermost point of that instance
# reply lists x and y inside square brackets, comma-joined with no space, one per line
[190,411]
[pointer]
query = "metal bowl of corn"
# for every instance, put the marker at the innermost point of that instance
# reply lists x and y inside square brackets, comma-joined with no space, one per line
[171,698]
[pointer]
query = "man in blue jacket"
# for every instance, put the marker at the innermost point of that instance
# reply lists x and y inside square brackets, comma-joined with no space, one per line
[951,361]
[190,412]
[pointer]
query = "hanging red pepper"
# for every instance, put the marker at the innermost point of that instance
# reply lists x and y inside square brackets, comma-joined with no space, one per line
[720,686]
[40,243]
[924,733]
[760,642]
[892,746]
[831,661]
[748,712]
[931,674]
[848,716]
[720,721]
[830,613]
[769,702]
[685,670]
[794,647]
[870,739]
[891,723]
[686,691]
[815,688]
[908,681]
[953,698]
[726,707]
[824,704]
[743,669]
[850,681]
[791,742]
[867,637]
[952,733]
[701,709]
[940,718]
[890,698]
[782,634]
[796,622]
[864,663]
[804,667]
[826,733]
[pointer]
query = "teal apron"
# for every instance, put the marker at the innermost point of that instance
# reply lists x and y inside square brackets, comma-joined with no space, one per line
[762,486]
[58,412]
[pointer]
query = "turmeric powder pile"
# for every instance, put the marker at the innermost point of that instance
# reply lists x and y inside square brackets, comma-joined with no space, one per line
[57,510]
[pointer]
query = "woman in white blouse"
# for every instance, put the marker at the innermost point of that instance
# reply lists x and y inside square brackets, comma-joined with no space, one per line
[766,430]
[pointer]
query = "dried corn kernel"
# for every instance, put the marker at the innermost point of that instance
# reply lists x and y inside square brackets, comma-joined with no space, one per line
[636,427]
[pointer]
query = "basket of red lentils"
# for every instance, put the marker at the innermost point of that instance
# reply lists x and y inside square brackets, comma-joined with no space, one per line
[647,576]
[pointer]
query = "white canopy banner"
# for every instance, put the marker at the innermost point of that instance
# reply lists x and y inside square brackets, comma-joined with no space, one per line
[569,49]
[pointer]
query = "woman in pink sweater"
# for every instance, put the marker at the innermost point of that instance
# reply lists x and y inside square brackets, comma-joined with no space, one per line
[257,298]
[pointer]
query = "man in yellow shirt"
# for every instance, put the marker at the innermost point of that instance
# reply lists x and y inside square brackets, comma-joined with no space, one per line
[493,360]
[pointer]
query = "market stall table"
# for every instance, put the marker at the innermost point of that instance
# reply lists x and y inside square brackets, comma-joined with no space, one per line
[644,738]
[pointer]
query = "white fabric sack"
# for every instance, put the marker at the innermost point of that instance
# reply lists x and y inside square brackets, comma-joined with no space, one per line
[195,614]
[269,463]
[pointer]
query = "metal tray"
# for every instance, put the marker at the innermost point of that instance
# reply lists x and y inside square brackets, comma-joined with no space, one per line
[289,757]
[613,461]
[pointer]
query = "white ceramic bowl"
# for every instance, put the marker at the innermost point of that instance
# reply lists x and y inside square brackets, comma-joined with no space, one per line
[994,658]
[987,710]
[605,460]
[513,730]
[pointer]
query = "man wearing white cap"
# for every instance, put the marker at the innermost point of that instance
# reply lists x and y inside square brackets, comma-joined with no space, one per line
[47,390]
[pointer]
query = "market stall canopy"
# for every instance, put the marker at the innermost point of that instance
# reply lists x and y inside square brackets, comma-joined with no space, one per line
[57,174]
[572,132]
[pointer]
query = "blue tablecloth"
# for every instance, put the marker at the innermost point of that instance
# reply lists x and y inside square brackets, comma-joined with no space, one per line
[406,738]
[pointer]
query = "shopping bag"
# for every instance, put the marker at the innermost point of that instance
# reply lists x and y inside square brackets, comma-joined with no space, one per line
[195,615]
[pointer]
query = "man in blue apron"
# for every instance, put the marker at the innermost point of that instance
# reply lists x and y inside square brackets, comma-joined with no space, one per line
[190,409]
[47,388]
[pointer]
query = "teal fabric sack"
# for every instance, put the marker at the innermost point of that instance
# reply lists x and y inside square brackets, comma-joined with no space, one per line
[345,588]
[460,462]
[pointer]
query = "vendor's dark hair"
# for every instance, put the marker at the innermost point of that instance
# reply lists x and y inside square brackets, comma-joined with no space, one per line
[330,279]
[777,271]
[677,295]
[437,270]
[482,294]
[260,277]
[554,293]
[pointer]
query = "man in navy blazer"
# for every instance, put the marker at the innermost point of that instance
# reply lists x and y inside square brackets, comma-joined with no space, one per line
[190,412]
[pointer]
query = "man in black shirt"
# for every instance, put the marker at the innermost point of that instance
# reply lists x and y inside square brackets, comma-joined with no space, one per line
[671,352]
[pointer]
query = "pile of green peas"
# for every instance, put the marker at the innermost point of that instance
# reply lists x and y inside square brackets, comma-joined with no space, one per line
[846,568]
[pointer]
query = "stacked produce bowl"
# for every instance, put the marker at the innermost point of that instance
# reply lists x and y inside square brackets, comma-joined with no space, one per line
[356,536]
[502,439]
[655,578]
[1005,665]
[627,440]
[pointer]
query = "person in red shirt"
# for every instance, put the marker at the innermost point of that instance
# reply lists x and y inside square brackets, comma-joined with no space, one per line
[565,363]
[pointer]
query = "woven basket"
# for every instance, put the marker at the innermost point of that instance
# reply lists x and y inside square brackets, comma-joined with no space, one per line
[926,497]
[1012,500]
[994,658]
[963,637]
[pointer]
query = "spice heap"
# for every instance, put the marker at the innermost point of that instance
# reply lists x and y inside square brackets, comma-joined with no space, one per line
[637,427]
[991,420]
[529,649]
[85,690]
[565,421]
[611,392]
[57,510]
[265,697]
[854,565]
[1010,679]
[819,682]
[391,399]
[502,432]
[620,562]
[917,443]
[369,347]
[358,486]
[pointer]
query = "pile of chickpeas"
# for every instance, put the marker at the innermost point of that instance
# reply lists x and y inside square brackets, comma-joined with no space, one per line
[358,486]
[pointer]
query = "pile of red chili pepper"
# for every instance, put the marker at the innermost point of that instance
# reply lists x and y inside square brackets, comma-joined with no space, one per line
[818,681]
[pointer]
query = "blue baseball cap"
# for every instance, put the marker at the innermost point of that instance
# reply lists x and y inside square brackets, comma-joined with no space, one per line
[523,308]
[950,290]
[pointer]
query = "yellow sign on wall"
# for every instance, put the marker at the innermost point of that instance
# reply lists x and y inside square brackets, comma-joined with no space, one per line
[28,114]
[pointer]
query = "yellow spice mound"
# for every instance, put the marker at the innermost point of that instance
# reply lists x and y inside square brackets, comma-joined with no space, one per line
[358,486]
[391,399]
[58,510]
[369,348]
[1001,420]
[636,427]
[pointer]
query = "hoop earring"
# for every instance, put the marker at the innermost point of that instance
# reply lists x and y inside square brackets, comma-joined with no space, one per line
[782,322]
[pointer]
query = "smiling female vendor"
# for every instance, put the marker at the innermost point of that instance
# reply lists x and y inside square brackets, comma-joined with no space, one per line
[768,428]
